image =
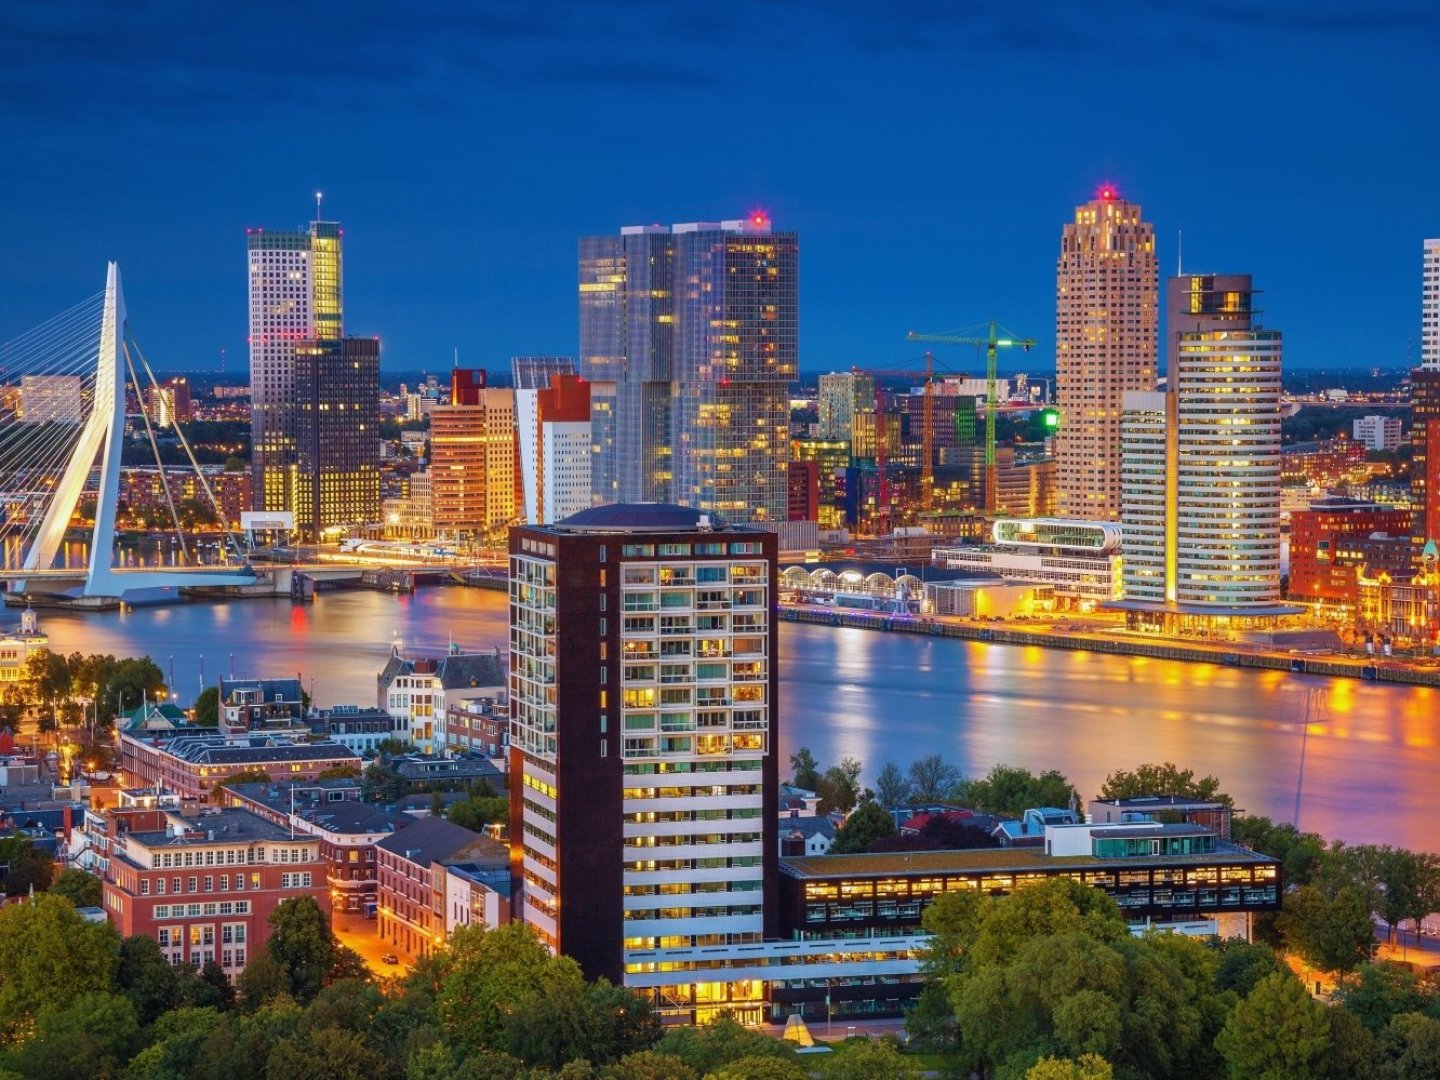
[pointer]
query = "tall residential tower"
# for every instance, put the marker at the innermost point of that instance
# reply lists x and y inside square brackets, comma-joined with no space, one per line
[1106,311]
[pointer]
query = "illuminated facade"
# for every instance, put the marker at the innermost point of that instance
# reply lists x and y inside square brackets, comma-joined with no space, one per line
[473,477]
[555,449]
[335,478]
[644,778]
[842,396]
[1201,506]
[1106,312]
[1331,545]
[295,296]
[695,327]
[1430,308]
[832,458]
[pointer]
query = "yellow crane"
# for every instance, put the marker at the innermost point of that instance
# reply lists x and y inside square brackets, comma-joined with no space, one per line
[992,343]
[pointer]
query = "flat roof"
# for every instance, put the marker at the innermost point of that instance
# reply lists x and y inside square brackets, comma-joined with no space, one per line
[890,864]
[228,826]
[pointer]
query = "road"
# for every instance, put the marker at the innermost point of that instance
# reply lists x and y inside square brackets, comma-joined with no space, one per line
[359,933]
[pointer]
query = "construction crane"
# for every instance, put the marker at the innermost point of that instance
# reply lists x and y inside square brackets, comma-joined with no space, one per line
[992,343]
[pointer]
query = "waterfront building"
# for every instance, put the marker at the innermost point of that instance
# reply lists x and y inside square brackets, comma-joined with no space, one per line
[1377,432]
[269,706]
[411,515]
[473,475]
[478,725]
[1201,468]
[295,296]
[1331,546]
[644,768]
[1405,603]
[335,482]
[204,887]
[18,646]
[413,893]
[143,490]
[555,440]
[1425,465]
[695,327]
[194,766]
[335,813]
[361,730]
[1106,327]
[418,690]
[842,396]
[1080,559]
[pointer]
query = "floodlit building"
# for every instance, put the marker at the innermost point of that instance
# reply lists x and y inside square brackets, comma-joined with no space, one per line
[1106,327]
[335,479]
[1335,540]
[473,476]
[1080,559]
[51,399]
[418,690]
[1202,468]
[295,296]
[842,396]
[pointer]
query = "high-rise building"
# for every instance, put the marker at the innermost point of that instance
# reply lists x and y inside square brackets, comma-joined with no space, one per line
[295,296]
[553,423]
[1201,506]
[1377,432]
[334,480]
[473,476]
[1425,407]
[1106,314]
[841,395]
[688,334]
[832,458]
[644,776]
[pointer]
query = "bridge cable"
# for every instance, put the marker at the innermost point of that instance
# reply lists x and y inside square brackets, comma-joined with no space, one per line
[154,449]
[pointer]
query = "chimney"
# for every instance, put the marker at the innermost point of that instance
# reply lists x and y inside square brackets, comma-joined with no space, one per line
[69,824]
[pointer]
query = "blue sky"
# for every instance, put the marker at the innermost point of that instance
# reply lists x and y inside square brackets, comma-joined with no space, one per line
[927,152]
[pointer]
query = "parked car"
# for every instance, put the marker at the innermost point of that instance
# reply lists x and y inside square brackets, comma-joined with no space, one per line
[389,958]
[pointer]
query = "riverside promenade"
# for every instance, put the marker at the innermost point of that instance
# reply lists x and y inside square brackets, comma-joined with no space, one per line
[1372,669]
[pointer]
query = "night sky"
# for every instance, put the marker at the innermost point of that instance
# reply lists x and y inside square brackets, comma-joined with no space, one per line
[927,153]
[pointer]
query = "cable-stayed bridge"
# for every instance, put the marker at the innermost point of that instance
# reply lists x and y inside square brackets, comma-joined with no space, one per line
[62,430]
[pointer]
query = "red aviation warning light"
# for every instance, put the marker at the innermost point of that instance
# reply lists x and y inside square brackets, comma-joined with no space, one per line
[1107,193]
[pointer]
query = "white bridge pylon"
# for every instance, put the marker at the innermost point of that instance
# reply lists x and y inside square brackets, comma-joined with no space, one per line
[104,434]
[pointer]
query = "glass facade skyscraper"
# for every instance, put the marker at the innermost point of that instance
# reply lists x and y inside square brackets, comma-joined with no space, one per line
[689,335]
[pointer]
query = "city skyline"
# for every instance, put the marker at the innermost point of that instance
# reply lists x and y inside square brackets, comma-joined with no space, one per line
[468,241]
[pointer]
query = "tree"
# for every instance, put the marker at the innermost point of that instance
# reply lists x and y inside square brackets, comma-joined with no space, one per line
[380,783]
[1411,1043]
[262,982]
[759,1068]
[1243,965]
[723,1041]
[49,956]
[325,1054]
[247,776]
[178,1037]
[1085,1067]
[146,978]
[892,789]
[302,944]
[1165,779]
[870,822]
[1008,789]
[866,1059]
[931,779]
[1299,853]
[839,787]
[805,772]
[92,1036]
[1383,992]
[649,1065]
[80,888]
[207,707]
[1330,933]
[338,772]
[27,866]
[476,813]
[1277,1033]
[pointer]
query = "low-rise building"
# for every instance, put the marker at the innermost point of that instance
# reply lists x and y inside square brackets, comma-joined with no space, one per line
[362,730]
[417,691]
[193,766]
[204,887]
[478,724]
[1081,559]
[1335,540]
[413,891]
[347,827]
[268,705]
[476,894]
[17,647]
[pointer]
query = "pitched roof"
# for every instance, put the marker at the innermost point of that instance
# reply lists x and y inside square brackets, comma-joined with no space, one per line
[434,839]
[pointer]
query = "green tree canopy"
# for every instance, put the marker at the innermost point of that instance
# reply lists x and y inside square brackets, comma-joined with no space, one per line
[869,822]
[1010,790]
[805,772]
[49,956]
[1277,1033]
[707,1048]
[1332,933]
[1163,779]
[476,813]
[1085,1067]
[931,779]
[892,789]
[839,787]
[91,1036]
[80,888]
[207,707]
[301,943]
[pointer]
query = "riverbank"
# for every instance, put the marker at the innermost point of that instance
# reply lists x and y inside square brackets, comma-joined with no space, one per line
[1367,669]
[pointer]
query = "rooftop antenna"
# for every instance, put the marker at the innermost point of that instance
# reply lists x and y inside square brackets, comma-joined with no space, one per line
[1179,252]
[319,198]
[457,356]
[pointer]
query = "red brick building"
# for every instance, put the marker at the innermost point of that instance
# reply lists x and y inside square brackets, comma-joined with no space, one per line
[193,766]
[804,491]
[204,886]
[413,887]
[1330,545]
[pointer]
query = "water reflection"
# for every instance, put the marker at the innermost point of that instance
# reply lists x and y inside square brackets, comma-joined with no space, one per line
[1369,760]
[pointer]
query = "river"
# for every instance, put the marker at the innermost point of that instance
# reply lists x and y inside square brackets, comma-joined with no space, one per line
[1369,750]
